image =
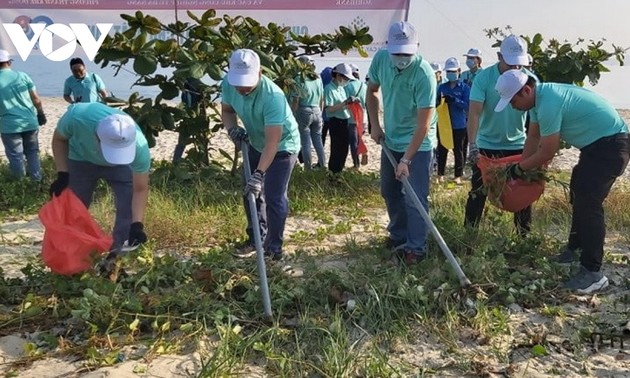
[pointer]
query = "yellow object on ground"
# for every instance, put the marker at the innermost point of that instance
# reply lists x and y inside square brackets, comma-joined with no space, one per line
[445,131]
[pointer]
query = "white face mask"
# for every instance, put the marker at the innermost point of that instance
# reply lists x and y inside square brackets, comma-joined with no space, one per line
[401,61]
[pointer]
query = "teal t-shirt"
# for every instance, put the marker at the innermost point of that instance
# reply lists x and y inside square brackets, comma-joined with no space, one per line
[265,106]
[79,123]
[87,89]
[580,116]
[17,112]
[468,77]
[311,91]
[504,130]
[404,92]
[334,94]
[358,89]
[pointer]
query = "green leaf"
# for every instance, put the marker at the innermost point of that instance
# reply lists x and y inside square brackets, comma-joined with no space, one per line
[169,90]
[197,70]
[539,350]
[145,64]
[133,326]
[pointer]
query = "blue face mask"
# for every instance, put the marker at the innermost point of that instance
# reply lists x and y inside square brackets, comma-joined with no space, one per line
[451,76]
[471,63]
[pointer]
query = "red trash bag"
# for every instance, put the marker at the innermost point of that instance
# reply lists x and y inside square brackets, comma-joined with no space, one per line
[512,195]
[71,238]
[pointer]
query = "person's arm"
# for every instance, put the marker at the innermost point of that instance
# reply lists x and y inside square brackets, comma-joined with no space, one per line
[294,103]
[532,141]
[103,93]
[337,107]
[60,152]
[373,108]
[547,148]
[36,101]
[68,99]
[140,196]
[273,134]
[474,111]
[228,116]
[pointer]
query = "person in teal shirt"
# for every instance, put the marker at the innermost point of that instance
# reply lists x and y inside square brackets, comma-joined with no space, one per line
[492,134]
[356,89]
[274,141]
[93,141]
[307,104]
[408,87]
[21,114]
[587,121]
[336,107]
[473,62]
[83,86]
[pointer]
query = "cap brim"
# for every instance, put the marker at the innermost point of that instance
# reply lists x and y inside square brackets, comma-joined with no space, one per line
[238,80]
[119,155]
[348,77]
[516,60]
[402,49]
[503,102]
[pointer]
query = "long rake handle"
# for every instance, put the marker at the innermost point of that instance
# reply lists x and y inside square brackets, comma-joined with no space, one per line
[463,280]
[260,253]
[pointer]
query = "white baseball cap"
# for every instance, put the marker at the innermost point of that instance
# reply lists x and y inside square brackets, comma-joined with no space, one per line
[508,84]
[5,56]
[345,70]
[473,53]
[451,64]
[117,134]
[244,68]
[354,68]
[402,38]
[514,51]
[437,67]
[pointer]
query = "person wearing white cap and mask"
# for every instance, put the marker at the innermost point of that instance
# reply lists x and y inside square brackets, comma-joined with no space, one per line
[585,120]
[336,107]
[21,114]
[356,89]
[408,87]
[437,69]
[274,142]
[492,134]
[93,141]
[455,94]
[307,104]
[473,62]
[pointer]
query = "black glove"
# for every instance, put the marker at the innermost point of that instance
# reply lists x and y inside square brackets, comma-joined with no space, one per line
[514,171]
[41,118]
[136,234]
[255,184]
[237,135]
[63,178]
[449,99]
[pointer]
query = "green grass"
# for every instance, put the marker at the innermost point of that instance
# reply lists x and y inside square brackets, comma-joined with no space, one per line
[186,291]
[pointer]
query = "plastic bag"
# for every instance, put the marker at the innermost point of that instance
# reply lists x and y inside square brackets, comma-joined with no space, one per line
[71,238]
[511,195]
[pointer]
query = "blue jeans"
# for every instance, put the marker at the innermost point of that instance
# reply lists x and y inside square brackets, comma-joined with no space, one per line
[273,203]
[20,145]
[405,221]
[83,179]
[310,123]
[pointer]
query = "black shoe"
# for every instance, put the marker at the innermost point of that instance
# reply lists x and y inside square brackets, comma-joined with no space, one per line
[244,250]
[393,243]
[275,256]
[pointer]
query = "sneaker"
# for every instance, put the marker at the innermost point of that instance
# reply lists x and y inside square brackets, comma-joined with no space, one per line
[586,282]
[566,256]
[393,243]
[275,256]
[244,250]
[413,257]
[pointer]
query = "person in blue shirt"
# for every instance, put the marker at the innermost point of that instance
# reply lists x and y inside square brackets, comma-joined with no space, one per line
[326,76]
[83,86]
[93,141]
[21,115]
[492,134]
[455,94]
[586,121]
[274,141]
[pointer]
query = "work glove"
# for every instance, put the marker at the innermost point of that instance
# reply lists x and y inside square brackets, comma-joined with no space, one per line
[449,99]
[41,118]
[255,184]
[237,135]
[63,178]
[136,234]
[514,171]
[473,152]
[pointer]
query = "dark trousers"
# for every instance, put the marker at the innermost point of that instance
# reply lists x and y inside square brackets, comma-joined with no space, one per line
[477,200]
[83,179]
[325,128]
[339,144]
[353,140]
[599,165]
[273,204]
[460,141]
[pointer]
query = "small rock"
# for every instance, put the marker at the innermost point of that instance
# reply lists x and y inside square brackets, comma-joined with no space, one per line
[515,308]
